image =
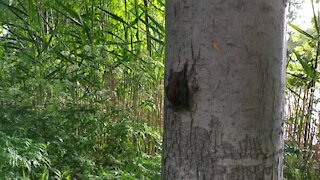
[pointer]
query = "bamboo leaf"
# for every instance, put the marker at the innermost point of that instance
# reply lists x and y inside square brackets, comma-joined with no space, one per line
[76,17]
[152,27]
[114,16]
[301,31]
[48,76]
[306,67]
[135,21]
[71,18]
[157,40]
[70,11]
[15,9]
[158,25]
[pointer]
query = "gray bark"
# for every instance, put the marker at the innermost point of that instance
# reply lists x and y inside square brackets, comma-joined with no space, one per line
[224,82]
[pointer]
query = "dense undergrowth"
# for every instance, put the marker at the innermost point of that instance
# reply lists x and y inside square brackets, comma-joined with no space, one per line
[76,142]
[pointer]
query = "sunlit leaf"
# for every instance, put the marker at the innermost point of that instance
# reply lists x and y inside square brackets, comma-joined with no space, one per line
[306,67]
[301,31]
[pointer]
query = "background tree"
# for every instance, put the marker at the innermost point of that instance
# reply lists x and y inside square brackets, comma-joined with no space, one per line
[224,90]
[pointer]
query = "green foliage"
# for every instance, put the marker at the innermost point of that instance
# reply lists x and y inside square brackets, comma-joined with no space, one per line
[301,126]
[81,89]
[297,165]
[75,143]
[21,158]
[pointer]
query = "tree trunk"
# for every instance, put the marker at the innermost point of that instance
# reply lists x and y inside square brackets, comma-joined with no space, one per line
[224,89]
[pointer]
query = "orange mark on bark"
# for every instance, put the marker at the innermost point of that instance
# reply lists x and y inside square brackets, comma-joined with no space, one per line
[215,46]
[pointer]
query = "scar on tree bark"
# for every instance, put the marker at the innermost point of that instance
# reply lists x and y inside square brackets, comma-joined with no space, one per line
[177,89]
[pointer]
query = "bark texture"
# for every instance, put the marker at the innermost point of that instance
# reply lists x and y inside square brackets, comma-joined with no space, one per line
[229,125]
